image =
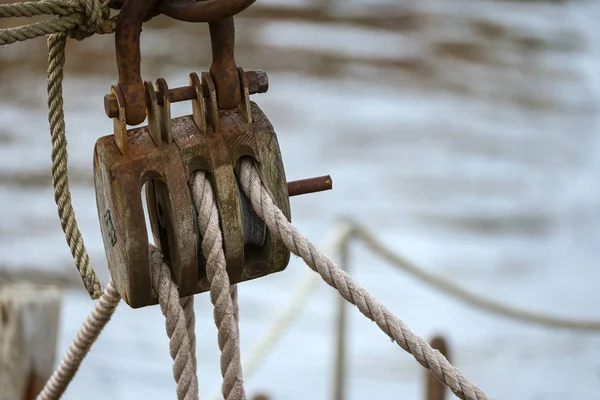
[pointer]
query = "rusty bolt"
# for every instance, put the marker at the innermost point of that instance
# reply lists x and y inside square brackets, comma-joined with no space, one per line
[178,94]
[258,82]
[310,185]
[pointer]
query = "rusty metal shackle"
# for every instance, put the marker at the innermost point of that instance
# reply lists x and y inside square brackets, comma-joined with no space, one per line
[223,68]
[202,11]
[219,14]
[127,45]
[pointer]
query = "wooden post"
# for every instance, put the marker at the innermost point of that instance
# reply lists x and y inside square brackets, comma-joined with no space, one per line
[261,396]
[434,389]
[29,320]
[339,377]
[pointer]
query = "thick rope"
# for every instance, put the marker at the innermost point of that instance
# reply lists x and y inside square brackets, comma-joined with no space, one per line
[333,275]
[33,8]
[347,230]
[78,19]
[279,325]
[184,368]
[180,326]
[271,336]
[187,303]
[87,335]
[222,295]
[60,180]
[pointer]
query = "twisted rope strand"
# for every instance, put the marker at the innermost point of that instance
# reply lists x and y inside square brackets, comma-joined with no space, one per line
[281,228]
[79,20]
[60,180]
[33,8]
[42,28]
[180,323]
[184,368]
[187,303]
[87,335]
[222,294]
[469,298]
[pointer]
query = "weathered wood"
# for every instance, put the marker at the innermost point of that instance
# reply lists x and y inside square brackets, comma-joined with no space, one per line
[434,389]
[29,320]
[339,373]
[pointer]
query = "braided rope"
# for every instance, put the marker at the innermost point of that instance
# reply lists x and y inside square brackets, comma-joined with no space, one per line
[222,295]
[60,180]
[33,8]
[43,28]
[471,299]
[184,368]
[180,326]
[187,303]
[78,19]
[281,228]
[87,335]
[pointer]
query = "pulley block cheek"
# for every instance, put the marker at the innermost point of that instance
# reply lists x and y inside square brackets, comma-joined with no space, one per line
[165,155]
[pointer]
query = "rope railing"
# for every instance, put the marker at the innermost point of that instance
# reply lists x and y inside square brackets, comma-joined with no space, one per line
[348,288]
[180,326]
[344,232]
[81,19]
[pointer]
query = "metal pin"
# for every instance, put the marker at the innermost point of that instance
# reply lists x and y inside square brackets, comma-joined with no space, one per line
[257,83]
[310,185]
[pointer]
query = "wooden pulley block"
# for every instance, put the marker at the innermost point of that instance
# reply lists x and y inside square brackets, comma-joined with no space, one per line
[165,155]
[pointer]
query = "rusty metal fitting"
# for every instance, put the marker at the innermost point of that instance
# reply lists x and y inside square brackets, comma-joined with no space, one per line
[218,13]
[310,185]
[127,45]
[223,69]
[202,11]
[164,156]
[257,82]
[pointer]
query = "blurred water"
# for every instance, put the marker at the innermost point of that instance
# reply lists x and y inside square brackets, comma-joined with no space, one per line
[463,133]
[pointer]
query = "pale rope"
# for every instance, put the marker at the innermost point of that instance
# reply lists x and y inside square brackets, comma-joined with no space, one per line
[347,230]
[78,25]
[184,368]
[333,275]
[187,303]
[277,328]
[180,325]
[87,335]
[292,310]
[60,180]
[471,299]
[222,295]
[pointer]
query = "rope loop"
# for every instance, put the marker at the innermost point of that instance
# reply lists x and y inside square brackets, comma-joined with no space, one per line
[93,17]
[79,19]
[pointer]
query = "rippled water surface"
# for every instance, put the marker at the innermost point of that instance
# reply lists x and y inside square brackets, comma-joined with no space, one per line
[464,134]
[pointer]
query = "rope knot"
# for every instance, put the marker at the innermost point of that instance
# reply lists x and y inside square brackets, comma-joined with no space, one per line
[93,18]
